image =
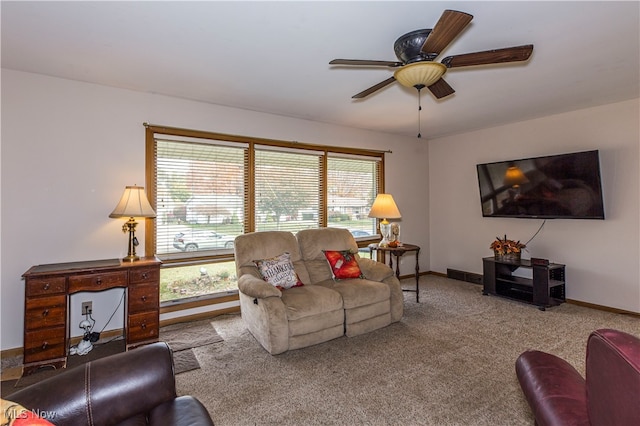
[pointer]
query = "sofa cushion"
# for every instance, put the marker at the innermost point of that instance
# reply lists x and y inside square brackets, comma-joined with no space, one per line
[317,323]
[357,328]
[320,336]
[313,241]
[311,300]
[279,271]
[358,292]
[363,313]
[343,264]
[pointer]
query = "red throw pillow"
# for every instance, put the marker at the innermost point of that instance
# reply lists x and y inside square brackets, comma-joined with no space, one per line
[343,264]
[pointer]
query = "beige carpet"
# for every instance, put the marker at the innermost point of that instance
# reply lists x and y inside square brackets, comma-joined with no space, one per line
[450,361]
[182,338]
[189,335]
[185,360]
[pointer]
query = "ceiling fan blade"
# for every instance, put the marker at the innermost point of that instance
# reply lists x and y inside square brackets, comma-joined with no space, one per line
[441,88]
[372,89]
[365,62]
[496,56]
[450,24]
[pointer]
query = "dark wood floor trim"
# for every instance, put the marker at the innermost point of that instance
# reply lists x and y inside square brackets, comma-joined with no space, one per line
[571,301]
[603,308]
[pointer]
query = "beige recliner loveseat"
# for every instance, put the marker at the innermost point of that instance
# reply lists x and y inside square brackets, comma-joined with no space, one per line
[323,308]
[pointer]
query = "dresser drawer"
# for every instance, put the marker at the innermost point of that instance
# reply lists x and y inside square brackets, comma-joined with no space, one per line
[143,326]
[44,344]
[44,286]
[44,312]
[143,298]
[96,282]
[144,275]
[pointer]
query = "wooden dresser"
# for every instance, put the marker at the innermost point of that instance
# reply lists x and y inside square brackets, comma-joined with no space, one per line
[47,291]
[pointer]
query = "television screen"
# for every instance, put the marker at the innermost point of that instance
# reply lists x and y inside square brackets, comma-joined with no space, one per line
[566,186]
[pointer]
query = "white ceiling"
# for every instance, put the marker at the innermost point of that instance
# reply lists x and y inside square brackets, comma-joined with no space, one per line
[274,56]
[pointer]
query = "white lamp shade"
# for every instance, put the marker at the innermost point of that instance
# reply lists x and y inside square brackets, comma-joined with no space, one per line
[384,208]
[134,203]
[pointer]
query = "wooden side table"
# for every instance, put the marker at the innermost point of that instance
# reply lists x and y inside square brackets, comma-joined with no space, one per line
[397,252]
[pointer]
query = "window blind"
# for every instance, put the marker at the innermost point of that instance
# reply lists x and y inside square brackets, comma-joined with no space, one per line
[287,189]
[199,188]
[352,185]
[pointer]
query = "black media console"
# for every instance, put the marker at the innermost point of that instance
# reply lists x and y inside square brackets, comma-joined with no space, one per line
[545,289]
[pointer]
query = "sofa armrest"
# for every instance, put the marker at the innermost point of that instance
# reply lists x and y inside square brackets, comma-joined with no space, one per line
[182,411]
[374,270]
[613,377]
[378,271]
[555,391]
[257,288]
[105,391]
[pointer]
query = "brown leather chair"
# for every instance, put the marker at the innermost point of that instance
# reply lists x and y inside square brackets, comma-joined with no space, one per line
[609,395]
[130,388]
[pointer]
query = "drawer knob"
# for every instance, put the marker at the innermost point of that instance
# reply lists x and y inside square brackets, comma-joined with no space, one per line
[143,325]
[44,345]
[46,286]
[145,275]
[144,298]
[99,281]
[45,312]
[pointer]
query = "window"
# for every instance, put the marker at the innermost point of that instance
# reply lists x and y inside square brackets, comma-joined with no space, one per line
[352,185]
[208,188]
[287,189]
[199,197]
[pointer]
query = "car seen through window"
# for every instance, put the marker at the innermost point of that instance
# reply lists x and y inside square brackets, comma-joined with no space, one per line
[202,240]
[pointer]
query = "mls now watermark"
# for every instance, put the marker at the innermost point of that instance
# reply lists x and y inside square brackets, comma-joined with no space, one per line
[15,413]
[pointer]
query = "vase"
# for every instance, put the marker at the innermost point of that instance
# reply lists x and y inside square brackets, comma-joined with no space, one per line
[507,257]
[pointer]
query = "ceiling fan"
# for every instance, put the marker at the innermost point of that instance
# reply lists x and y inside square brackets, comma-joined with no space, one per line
[417,50]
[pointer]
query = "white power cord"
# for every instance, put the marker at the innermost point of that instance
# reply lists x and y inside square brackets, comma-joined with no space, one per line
[84,346]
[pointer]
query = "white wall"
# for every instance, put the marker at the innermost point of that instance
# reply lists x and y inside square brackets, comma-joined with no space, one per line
[70,148]
[602,256]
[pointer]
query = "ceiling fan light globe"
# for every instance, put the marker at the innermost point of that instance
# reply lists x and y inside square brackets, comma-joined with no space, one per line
[420,73]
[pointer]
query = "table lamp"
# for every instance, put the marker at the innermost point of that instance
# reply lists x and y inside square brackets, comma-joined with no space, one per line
[514,177]
[384,208]
[133,203]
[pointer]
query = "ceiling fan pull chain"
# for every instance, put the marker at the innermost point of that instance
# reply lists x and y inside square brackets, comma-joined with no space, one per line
[419,107]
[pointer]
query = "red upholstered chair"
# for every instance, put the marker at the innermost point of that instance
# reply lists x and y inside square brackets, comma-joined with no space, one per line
[608,395]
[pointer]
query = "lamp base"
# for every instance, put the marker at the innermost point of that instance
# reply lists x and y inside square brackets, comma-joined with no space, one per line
[385,230]
[383,243]
[130,227]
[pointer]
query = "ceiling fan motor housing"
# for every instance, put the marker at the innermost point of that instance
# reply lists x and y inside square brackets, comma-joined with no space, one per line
[408,47]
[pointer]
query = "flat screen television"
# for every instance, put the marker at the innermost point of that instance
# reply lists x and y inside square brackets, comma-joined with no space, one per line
[565,186]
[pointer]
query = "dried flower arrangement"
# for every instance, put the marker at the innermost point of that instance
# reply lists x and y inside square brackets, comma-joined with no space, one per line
[504,246]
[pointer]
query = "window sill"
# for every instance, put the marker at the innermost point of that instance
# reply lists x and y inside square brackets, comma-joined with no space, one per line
[198,301]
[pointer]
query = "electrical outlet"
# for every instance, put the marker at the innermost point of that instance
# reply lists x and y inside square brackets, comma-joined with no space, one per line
[87,308]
